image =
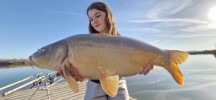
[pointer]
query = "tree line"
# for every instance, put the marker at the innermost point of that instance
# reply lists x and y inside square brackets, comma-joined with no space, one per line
[9,62]
[204,52]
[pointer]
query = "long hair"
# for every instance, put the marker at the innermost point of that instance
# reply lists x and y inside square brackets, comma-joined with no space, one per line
[109,21]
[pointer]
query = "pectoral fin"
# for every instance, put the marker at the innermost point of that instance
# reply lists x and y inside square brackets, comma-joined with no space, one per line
[70,80]
[109,84]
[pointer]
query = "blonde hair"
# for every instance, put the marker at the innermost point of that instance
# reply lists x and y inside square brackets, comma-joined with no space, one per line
[110,22]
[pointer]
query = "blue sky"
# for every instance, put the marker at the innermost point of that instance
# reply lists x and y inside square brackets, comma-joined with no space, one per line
[26,25]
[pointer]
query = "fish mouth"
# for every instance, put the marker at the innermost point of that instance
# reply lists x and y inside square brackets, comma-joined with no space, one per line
[30,62]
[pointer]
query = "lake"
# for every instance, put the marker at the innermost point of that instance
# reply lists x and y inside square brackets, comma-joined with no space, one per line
[199,72]
[13,74]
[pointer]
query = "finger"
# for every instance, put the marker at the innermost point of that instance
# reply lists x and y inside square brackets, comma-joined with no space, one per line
[72,72]
[75,73]
[81,78]
[60,73]
[146,71]
[76,78]
[151,64]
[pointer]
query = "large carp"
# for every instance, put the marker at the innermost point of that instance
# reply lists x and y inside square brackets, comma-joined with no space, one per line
[106,57]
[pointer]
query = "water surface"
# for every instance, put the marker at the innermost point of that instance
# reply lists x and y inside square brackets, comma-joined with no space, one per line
[200,82]
[10,75]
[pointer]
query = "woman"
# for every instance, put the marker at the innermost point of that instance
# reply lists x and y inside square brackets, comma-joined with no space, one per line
[101,20]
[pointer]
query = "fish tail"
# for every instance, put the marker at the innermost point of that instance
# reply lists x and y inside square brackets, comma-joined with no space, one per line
[175,57]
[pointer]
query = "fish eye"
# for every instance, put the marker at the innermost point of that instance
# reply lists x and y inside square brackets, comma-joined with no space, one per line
[41,50]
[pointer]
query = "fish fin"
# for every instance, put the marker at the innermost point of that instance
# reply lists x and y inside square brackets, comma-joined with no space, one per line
[70,80]
[173,69]
[153,70]
[110,84]
[71,58]
[176,57]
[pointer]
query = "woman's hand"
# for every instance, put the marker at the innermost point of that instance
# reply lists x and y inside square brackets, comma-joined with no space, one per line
[147,69]
[73,71]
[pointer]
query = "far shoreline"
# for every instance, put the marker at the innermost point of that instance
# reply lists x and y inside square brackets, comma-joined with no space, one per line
[203,52]
[13,62]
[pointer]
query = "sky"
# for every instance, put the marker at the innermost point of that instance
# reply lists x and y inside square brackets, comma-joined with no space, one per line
[27,25]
